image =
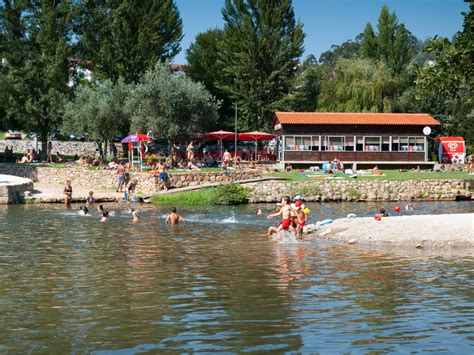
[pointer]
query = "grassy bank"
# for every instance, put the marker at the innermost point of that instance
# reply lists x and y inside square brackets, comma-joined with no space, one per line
[392,175]
[228,194]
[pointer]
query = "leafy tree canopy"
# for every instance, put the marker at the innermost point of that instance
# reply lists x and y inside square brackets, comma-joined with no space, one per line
[98,111]
[258,56]
[359,85]
[36,44]
[124,38]
[170,105]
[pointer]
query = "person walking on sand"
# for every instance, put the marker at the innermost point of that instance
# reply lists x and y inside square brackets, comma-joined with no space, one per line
[173,218]
[67,193]
[121,177]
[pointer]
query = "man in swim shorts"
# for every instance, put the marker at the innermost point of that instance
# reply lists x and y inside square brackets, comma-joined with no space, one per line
[121,177]
[285,213]
[163,175]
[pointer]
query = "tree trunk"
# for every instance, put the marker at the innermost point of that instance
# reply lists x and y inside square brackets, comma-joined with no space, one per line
[44,146]
[101,151]
[106,144]
[171,150]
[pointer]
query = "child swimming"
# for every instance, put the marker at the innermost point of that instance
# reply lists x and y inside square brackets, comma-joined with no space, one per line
[173,218]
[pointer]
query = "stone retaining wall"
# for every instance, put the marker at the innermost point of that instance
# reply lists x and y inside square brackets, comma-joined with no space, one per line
[105,179]
[349,190]
[13,188]
[63,147]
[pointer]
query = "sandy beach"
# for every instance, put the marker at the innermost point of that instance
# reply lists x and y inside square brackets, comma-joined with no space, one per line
[448,231]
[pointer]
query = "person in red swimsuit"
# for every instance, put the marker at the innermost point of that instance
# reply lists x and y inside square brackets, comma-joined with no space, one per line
[300,220]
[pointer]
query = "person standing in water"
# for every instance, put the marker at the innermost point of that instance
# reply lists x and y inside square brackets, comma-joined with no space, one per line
[90,198]
[121,177]
[173,218]
[67,193]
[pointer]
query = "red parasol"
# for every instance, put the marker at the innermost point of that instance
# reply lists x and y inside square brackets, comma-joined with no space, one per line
[221,135]
[255,136]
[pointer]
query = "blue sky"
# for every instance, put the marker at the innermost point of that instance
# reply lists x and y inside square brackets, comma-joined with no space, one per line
[328,22]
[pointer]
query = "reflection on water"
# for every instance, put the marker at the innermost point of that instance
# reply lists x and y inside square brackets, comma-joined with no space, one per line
[72,284]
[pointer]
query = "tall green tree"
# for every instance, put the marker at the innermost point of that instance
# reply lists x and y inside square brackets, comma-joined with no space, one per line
[359,85]
[368,46]
[124,38]
[259,55]
[450,78]
[170,105]
[98,111]
[348,49]
[393,43]
[36,43]
[303,95]
[203,66]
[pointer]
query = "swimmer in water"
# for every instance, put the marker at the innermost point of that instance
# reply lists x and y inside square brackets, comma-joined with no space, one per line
[173,218]
[83,211]
[100,208]
[409,207]
[383,212]
[90,198]
[136,216]
[105,216]
[259,213]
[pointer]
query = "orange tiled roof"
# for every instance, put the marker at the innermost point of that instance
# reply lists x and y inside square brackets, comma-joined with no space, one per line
[351,118]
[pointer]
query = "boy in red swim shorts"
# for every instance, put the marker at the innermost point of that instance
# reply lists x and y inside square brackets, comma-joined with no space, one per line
[285,212]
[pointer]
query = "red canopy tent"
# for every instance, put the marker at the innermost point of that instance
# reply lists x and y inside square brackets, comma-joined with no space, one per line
[255,136]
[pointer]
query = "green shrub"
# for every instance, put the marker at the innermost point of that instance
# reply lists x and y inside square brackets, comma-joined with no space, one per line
[231,194]
[353,193]
[189,198]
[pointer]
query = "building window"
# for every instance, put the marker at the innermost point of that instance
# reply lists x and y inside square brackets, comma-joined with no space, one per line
[316,141]
[349,145]
[335,144]
[416,144]
[385,144]
[360,143]
[403,145]
[372,144]
[395,144]
[298,143]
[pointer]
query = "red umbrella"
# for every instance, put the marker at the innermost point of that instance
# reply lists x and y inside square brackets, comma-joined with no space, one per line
[221,135]
[255,136]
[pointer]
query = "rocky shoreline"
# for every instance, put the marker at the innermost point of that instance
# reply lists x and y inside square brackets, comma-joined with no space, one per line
[445,231]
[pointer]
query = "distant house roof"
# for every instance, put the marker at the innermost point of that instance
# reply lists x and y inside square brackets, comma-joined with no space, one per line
[350,118]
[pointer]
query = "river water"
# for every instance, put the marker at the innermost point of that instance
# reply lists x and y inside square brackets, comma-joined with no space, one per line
[216,284]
